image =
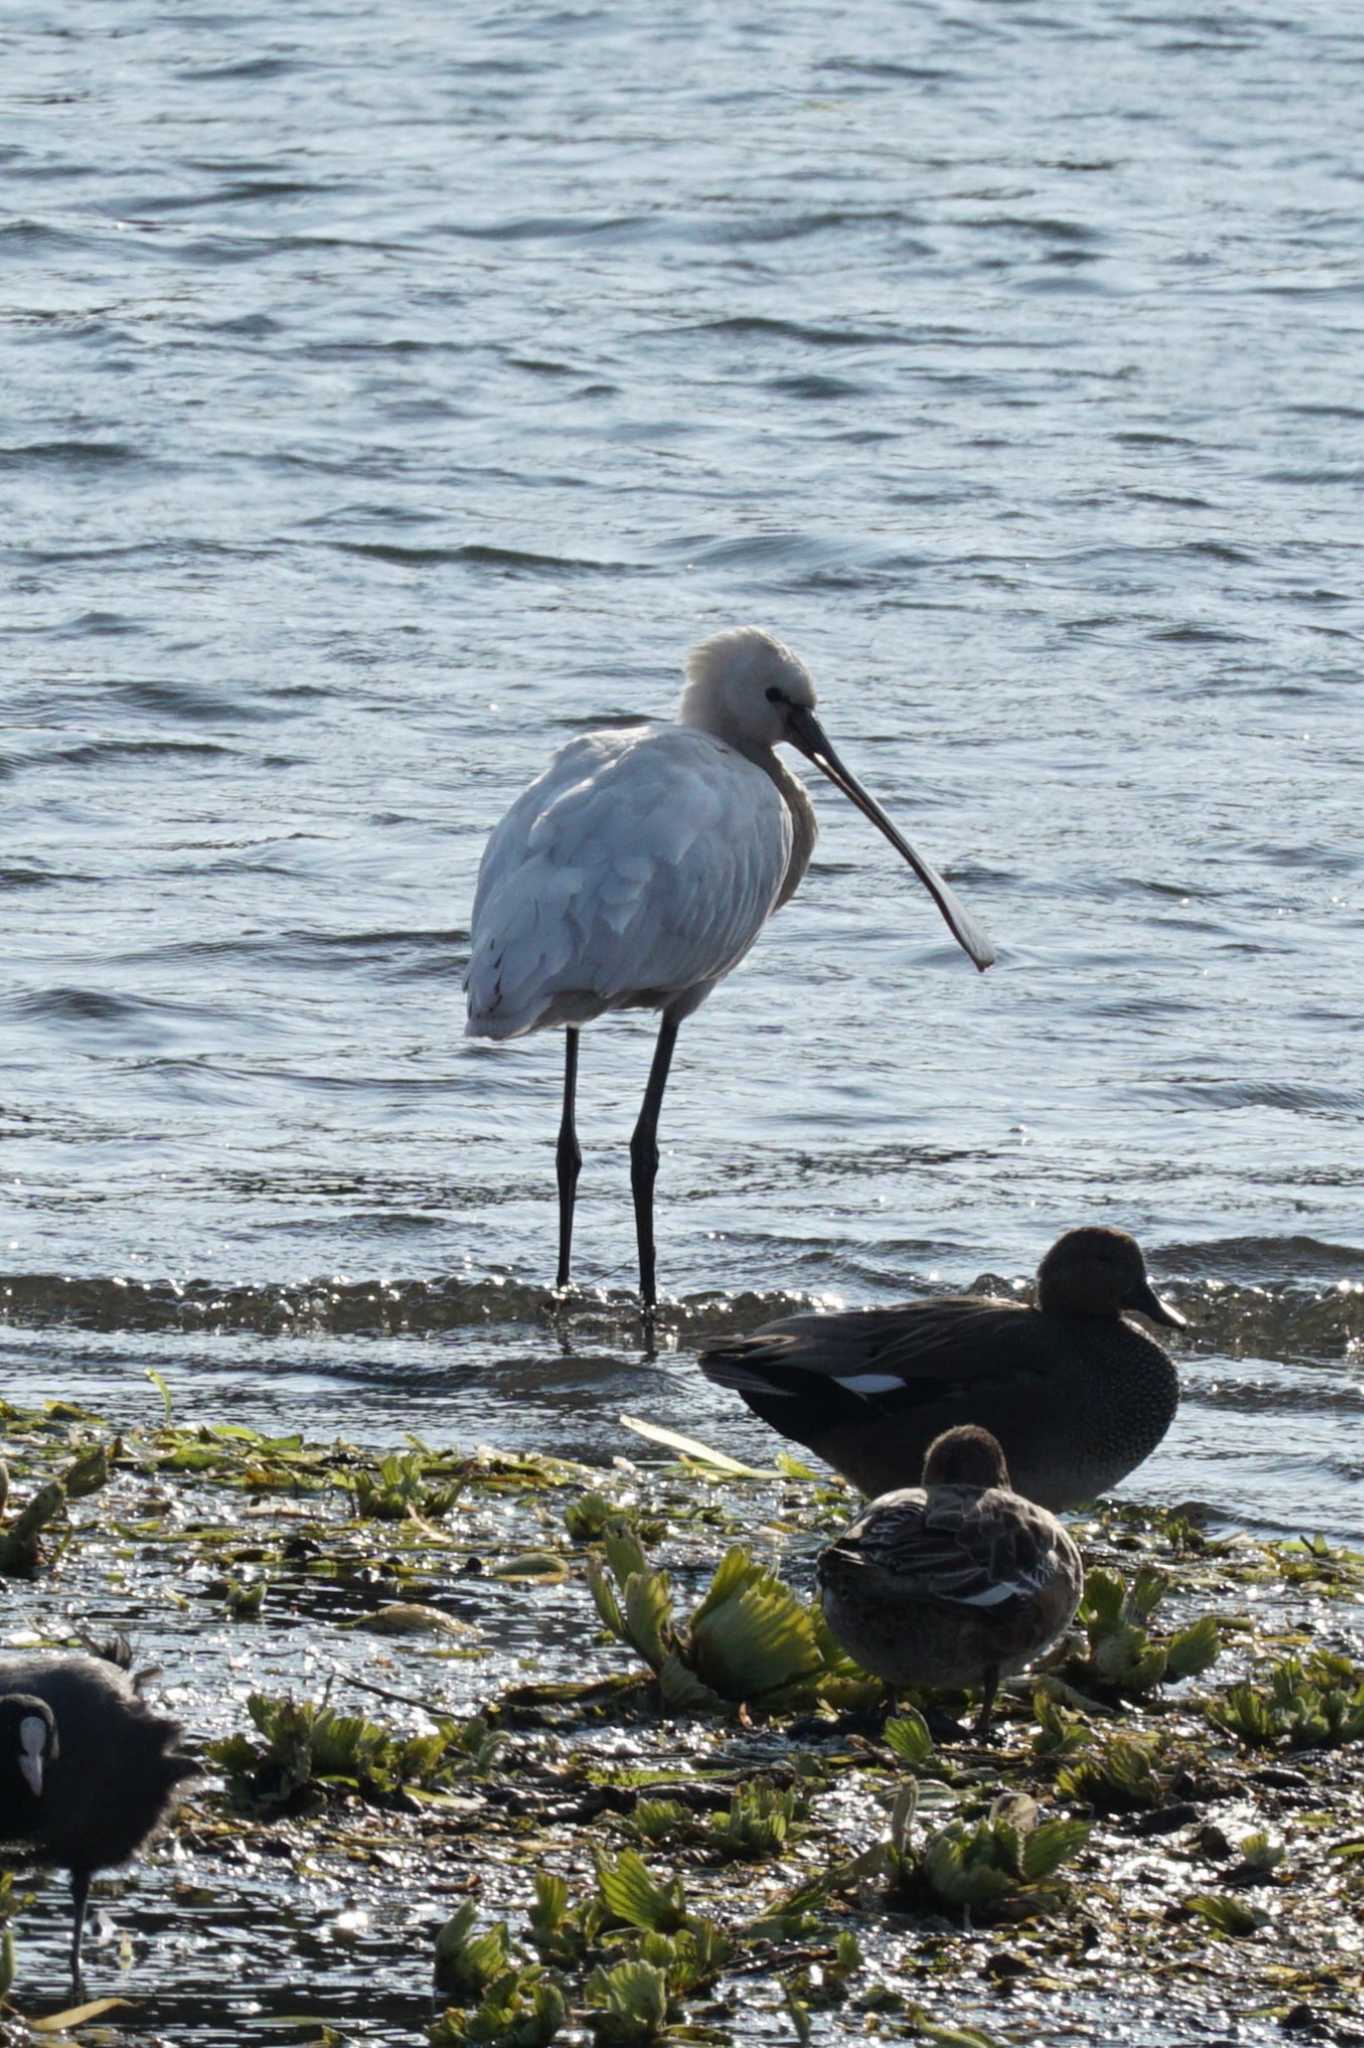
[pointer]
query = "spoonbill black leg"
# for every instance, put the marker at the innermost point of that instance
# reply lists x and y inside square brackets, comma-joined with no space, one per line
[644,1158]
[568,1157]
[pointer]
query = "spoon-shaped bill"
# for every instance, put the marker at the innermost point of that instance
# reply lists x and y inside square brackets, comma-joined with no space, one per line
[806,732]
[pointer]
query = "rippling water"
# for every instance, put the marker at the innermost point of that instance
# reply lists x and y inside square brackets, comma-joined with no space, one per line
[391,394]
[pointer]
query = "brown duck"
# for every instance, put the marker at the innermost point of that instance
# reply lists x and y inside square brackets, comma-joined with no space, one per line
[1076,1395]
[956,1582]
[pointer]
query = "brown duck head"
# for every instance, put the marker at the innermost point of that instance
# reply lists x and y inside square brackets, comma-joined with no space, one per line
[965,1456]
[1099,1271]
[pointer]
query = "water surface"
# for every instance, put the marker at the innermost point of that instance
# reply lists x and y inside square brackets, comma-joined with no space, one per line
[391,394]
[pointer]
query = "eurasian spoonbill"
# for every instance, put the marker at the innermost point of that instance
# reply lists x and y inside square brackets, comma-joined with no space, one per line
[637,871]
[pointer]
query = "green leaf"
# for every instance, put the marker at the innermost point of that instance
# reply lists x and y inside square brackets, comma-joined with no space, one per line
[551,1901]
[623,1553]
[1103,1598]
[656,1819]
[74,2016]
[958,1874]
[1051,1845]
[1195,1648]
[467,1963]
[735,1572]
[648,1615]
[682,1691]
[631,1895]
[633,1998]
[754,1643]
[532,1567]
[908,1736]
[950,2037]
[1227,1915]
[604,1599]
[409,1618]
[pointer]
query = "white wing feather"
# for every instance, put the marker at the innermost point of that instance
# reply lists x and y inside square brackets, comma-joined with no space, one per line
[641,865]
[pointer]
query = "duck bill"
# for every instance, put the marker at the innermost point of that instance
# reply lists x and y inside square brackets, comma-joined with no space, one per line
[805,731]
[32,1768]
[1148,1303]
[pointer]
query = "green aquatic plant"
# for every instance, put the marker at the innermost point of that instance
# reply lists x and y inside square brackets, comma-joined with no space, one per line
[949,2037]
[1310,1561]
[631,2004]
[307,1751]
[400,1487]
[563,1931]
[1226,1914]
[907,1735]
[640,2000]
[796,1914]
[1260,1858]
[1059,1734]
[822,1986]
[521,2009]
[1125,1660]
[1315,1702]
[660,1820]
[519,2005]
[245,1602]
[692,1958]
[690,1949]
[761,1817]
[1120,1774]
[750,1639]
[633,1998]
[89,1470]
[589,1518]
[633,1898]
[21,1550]
[467,1963]
[999,1867]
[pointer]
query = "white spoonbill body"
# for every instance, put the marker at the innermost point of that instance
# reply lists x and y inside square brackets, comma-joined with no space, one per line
[636,872]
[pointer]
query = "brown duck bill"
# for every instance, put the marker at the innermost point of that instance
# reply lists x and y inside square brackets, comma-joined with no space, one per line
[805,731]
[1148,1303]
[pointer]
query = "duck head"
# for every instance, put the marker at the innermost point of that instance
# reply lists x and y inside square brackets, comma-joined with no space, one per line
[965,1456]
[1099,1271]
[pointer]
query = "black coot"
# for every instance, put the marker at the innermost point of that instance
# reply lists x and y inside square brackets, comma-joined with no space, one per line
[87,1770]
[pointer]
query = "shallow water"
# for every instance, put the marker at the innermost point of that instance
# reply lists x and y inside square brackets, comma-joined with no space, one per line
[386,403]
[389,397]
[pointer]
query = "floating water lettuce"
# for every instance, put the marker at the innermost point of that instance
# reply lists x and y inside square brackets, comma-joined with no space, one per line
[1315,1702]
[1001,1867]
[1125,1660]
[750,1639]
[1120,1774]
[400,1487]
[308,1749]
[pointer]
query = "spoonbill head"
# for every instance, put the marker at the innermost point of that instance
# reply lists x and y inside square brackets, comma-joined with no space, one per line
[639,868]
